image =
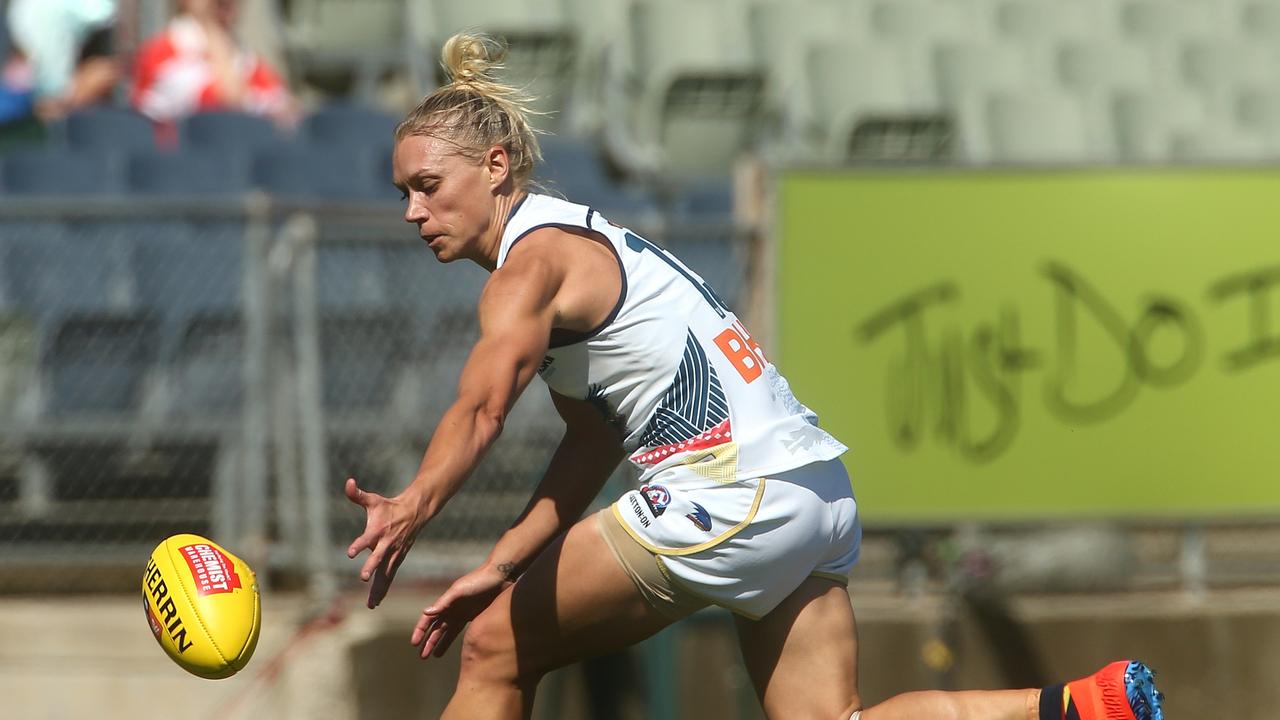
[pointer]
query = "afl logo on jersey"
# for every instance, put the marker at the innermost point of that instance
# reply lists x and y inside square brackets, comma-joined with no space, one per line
[657,498]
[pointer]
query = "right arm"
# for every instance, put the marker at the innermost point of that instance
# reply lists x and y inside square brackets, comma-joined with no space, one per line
[586,456]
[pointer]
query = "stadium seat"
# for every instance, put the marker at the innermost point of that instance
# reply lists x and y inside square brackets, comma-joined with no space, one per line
[1094,71]
[1257,22]
[1149,121]
[709,201]
[854,83]
[425,290]
[1222,145]
[1100,67]
[19,357]
[1047,21]
[54,269]
[191,279]
[1161,26]
[1037,27]
[61,172]
[573,167]
[351,276]
[782,38]
[348,47]
[361,354]
[928,21]
[227,130]
[338,126]
[207,367]
[337,174]
[600,29]
[1156,21]
[1040,127]
[1257,110]
[96,363]
[710,251]
[188,172]
[967,75]
[109,129]
[1216,68]
[698,98]
[96,345]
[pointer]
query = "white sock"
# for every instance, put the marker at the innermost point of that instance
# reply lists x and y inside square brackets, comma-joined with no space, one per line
[857,715]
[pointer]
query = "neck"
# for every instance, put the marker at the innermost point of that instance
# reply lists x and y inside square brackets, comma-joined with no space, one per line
[497,226]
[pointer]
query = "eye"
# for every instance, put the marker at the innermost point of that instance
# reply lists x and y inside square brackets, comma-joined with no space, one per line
[404,196]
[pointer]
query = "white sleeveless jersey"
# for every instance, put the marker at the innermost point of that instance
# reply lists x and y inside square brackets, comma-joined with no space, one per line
[673,370]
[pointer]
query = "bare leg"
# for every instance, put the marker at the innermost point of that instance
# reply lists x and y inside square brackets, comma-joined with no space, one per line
[574,602]
[802,659]
[967,705]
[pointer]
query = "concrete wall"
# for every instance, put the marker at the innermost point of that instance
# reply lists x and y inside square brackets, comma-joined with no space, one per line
[93,657]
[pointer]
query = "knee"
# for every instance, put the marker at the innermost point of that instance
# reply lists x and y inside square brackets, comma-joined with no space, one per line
[488,649]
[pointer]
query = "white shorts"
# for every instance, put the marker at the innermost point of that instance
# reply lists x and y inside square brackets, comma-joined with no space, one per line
[758,540]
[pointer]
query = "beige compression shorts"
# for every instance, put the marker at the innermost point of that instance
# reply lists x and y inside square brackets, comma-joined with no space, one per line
[806,524]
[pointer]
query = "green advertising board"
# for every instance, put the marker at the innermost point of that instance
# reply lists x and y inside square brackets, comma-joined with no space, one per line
[1039,344]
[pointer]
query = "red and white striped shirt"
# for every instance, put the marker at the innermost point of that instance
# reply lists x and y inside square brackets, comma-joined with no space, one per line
[174,78]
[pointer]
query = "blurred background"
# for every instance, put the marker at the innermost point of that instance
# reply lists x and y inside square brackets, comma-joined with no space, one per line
[211,314]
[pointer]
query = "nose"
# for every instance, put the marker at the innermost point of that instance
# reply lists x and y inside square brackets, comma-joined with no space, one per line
[415,211]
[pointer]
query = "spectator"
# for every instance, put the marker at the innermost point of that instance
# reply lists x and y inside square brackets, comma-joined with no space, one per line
[197,64]
[66,46]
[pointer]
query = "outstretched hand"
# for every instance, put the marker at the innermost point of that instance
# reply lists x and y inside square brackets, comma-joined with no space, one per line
[466,598]
[391,526]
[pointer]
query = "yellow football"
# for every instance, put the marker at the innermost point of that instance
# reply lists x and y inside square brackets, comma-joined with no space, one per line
[202,605]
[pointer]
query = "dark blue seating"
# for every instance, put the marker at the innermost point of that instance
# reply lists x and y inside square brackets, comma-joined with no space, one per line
[574,168]
[352,276]
[96,363]
[96,344]
[222,130]
[60,172]
[339,174]
[707,201]
[709,251]
[339,126]
[361,354]
[107,128]
[188,172]
[191,280]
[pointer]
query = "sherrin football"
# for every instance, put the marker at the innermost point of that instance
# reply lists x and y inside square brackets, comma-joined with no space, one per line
[202,605]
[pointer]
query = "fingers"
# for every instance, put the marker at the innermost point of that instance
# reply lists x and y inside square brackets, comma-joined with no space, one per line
[433,640]
[375,559]
[384,573]
[378,589]
[434,635]
[364,542]
[446,639]
[355,494]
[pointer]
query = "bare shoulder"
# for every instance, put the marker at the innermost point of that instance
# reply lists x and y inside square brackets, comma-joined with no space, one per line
[577,269]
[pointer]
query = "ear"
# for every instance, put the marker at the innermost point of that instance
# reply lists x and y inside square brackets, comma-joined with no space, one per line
[498,163]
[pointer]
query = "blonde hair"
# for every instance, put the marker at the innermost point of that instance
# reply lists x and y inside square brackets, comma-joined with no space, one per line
[474,111]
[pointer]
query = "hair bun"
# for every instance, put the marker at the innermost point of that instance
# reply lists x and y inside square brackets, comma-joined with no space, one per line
[471,58]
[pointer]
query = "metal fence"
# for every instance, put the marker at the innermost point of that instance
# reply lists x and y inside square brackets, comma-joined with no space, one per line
[221,368]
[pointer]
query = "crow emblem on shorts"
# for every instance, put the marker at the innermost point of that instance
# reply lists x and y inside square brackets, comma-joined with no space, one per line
[657,498]
[700,517]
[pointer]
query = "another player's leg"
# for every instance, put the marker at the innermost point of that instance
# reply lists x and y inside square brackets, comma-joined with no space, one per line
[575,601]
